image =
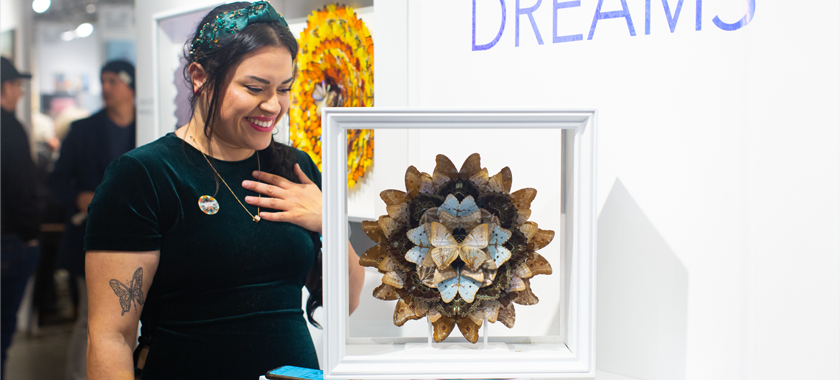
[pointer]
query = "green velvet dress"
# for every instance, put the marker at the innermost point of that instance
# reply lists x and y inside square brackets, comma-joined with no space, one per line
[225,302]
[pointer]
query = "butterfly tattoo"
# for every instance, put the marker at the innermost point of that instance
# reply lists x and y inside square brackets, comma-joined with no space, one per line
[131,293]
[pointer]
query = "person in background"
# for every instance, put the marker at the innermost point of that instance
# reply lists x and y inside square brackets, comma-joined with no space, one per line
[19,205]
[90,146]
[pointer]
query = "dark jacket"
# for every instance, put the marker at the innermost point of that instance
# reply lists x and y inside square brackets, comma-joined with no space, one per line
[19,203]
[85,153]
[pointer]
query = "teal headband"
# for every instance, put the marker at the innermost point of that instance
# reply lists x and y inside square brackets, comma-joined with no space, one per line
[216,32]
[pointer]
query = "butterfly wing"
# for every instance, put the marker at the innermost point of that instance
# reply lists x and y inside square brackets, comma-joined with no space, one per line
[491,310]
[373,256]
[480,178]
[446,247]
[434,315]
[468,287]
[529,229]
[522,270]
[416,254]
[137,286]
[444,256]
[522,198]
[442,328]
[398,212]
[444,171]
[449,221]
[498,235]
[516,284]
[388,265]
[525,296]
[507,179]
[541,239]
[507,314]
[124,293]
[394,279]
[448,289]
[420,237]
[538,264]
[388,225]
[495,184]
[440,275]
[420,307]
[473,257]
[393,197]
[471,166]
[426,275]
[469,329]
[385,292]
[403,312]
[477,275]
[413,179]
[450,205]
[417,182]
[374,232]
[498,253]
[467,206]
[471,247]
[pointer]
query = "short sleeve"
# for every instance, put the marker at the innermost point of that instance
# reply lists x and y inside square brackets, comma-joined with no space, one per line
[124,213]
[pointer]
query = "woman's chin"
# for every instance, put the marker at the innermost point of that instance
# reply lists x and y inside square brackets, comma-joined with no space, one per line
[263,142]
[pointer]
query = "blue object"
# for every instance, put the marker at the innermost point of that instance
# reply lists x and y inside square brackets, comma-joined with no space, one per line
[298,372]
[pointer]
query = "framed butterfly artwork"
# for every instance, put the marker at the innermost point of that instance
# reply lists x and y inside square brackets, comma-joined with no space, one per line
[480,271]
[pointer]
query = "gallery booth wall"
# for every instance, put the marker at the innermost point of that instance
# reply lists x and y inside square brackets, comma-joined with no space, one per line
[718,159]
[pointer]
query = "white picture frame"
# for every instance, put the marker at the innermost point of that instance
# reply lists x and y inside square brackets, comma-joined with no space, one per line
[383,358]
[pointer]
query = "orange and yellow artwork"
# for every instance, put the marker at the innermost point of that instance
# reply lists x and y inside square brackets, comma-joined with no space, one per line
[335,69]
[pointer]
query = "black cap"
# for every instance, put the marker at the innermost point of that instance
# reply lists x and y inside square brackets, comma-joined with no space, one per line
[124,69]
[9,72]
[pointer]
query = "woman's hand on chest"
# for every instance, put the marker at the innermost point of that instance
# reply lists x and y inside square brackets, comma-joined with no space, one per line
[296,203]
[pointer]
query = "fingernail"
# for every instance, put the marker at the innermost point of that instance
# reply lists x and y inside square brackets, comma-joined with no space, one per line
[249,199]
[247,183]
[256,173]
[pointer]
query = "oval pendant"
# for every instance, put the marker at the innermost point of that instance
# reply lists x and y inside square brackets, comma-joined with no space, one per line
[208,205]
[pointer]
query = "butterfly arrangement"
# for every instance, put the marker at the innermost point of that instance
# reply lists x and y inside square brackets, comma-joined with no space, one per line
[335,64]
[128,294]
[457,248]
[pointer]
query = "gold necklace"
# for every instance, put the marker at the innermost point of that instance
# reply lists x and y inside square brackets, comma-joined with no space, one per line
[255,218]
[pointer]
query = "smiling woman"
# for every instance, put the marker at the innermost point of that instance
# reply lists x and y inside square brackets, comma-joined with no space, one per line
[218,223]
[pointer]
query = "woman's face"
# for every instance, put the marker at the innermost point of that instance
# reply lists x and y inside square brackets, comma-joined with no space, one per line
[256,95]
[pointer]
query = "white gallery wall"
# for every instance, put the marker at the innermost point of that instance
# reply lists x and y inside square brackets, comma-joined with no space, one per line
[718,162]
[718,159]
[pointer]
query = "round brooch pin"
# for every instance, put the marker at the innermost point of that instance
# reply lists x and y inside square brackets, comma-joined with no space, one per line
[208,205]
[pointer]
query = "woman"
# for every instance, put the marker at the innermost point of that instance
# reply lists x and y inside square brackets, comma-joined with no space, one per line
[210,231]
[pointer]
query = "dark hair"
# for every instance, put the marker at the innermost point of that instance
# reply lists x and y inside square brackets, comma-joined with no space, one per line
[216,62]
[118,66]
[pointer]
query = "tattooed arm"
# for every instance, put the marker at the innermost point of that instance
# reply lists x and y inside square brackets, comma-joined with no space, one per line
[117,284]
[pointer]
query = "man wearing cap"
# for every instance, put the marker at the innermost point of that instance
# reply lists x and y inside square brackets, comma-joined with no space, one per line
[90,146]
[18,206]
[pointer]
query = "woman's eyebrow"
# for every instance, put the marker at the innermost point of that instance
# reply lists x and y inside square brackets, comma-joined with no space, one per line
[288,80]
[258,79]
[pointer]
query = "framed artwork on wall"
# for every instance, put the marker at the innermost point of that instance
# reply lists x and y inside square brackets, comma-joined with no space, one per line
[553,338]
